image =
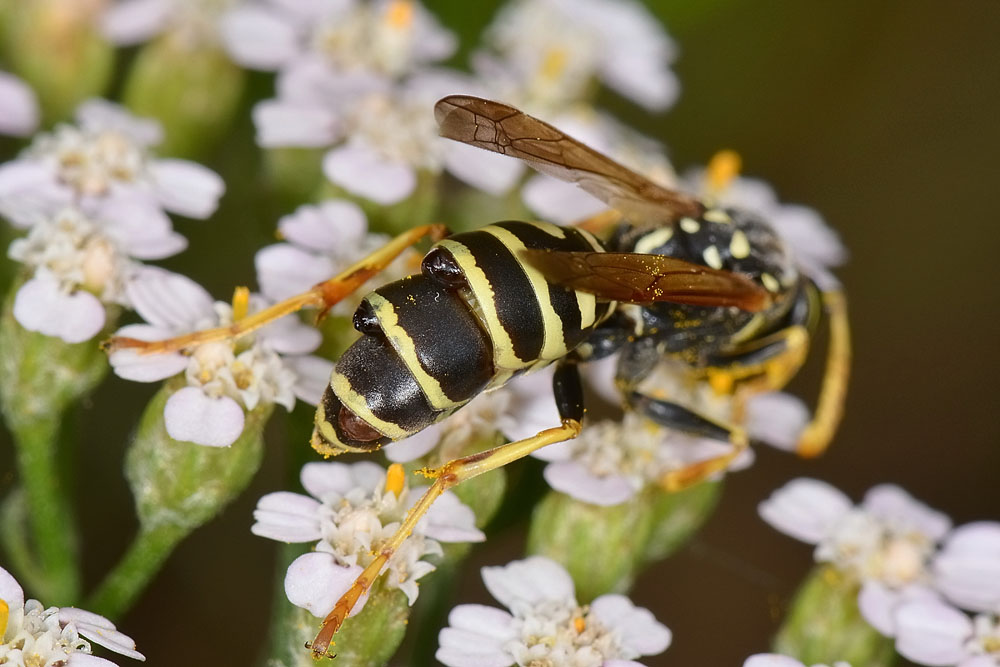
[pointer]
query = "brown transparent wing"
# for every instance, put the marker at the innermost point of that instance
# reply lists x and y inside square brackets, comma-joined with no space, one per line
[638,278]
[503,129]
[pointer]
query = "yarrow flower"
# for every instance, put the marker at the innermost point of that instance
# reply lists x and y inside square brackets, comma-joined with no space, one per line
[34,636]
[322,240]
[885,543]
[224,378]
[546,54]
[546,625]
[350,511]
[19,113]
[104,166]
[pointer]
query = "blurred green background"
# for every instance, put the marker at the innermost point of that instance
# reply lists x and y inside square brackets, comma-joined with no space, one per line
[882,115]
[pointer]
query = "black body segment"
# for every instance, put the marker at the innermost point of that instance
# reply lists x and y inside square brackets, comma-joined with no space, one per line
[436,335]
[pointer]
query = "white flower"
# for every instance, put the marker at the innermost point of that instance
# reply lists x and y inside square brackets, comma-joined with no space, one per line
[194,23]
[777,660]
[381,132]
[78,265]
[272,365]
[33,636]
[885,543]
[384,37]
[967,569]
[930,632]
[323,240]
[104,166]
[19,114]
[545,625]
[547,53]
[815,246]
[351,510]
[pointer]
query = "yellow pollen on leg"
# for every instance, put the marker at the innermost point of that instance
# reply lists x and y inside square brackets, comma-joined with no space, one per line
[4,617]
[395,478]
[722,169]
[241,303]
[399,14]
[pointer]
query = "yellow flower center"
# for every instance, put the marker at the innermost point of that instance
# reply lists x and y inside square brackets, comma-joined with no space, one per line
[395,478]
[554,63]
[722,169]
[399,14]
[4,616]
[241,303]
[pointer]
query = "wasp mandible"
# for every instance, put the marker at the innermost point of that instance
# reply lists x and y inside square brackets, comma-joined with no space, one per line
[714,288]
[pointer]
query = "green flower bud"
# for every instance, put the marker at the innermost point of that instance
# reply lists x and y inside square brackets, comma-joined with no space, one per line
[601,547]
[295,174]
[54,46]
[678,516]
[193,90]
[823,624]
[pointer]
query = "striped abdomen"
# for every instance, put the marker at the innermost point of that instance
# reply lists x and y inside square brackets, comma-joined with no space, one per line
[475,317]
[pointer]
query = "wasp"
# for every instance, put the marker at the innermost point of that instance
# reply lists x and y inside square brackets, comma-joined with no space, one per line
[677,278]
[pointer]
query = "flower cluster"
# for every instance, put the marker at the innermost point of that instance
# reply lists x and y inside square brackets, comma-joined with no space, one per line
[351,510]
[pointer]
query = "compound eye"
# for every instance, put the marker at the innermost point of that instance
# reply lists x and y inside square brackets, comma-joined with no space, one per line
[355,428]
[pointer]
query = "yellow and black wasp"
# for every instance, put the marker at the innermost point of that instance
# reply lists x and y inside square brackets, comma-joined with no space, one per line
[713,288]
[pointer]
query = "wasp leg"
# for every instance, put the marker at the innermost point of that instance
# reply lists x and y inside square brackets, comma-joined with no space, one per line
[686,420]
[322,295]
[569,400]
[767,364]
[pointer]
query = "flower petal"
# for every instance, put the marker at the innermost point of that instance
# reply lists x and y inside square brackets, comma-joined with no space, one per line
[19,113]
[131,365]
[492,173]
[967,569]
[10,591]
[284,270]
[559,202]
[169,300]
[449,520]
[287,517]
[931,633]
[805,508]
[99,630]
[528,581]
[186,187]
[281,124]
[326,227]
[363,171]
[40,305]
[312,376]
[258,38]
[895,506]
[133,21]
[771,660]
[638,629]
[777,418]
[191,416]
[315,582]
[574,479]
[414,446]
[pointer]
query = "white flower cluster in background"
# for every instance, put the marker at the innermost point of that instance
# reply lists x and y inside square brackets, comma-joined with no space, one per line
[545,625]
[19,113]
[351,510]
[32,635]
[93,199]
[193,22]
[915,571]
[224,378]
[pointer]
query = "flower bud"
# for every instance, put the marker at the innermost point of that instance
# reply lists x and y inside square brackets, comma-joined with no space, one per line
[601,547]
[54,46]
[824,625]
[193,90]
[678,516]
[184,484]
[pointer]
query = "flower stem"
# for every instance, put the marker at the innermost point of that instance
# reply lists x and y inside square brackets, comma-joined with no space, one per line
[50,516]
[135,570]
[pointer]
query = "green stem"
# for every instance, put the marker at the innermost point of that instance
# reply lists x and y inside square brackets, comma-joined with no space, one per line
[135,570]
[50,514]
[14,537]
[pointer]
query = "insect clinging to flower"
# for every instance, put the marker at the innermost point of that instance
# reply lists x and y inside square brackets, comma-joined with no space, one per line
[663,277]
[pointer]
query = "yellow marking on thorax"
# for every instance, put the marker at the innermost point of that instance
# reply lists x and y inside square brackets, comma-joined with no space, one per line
[712,257]
[690,225]
[717,215]
[357,404]
[482,290]
[739,246]
[407,351]
[553,341]
[654,240]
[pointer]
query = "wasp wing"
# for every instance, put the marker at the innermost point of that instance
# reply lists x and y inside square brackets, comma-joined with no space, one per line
[503,129]
[639,278]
